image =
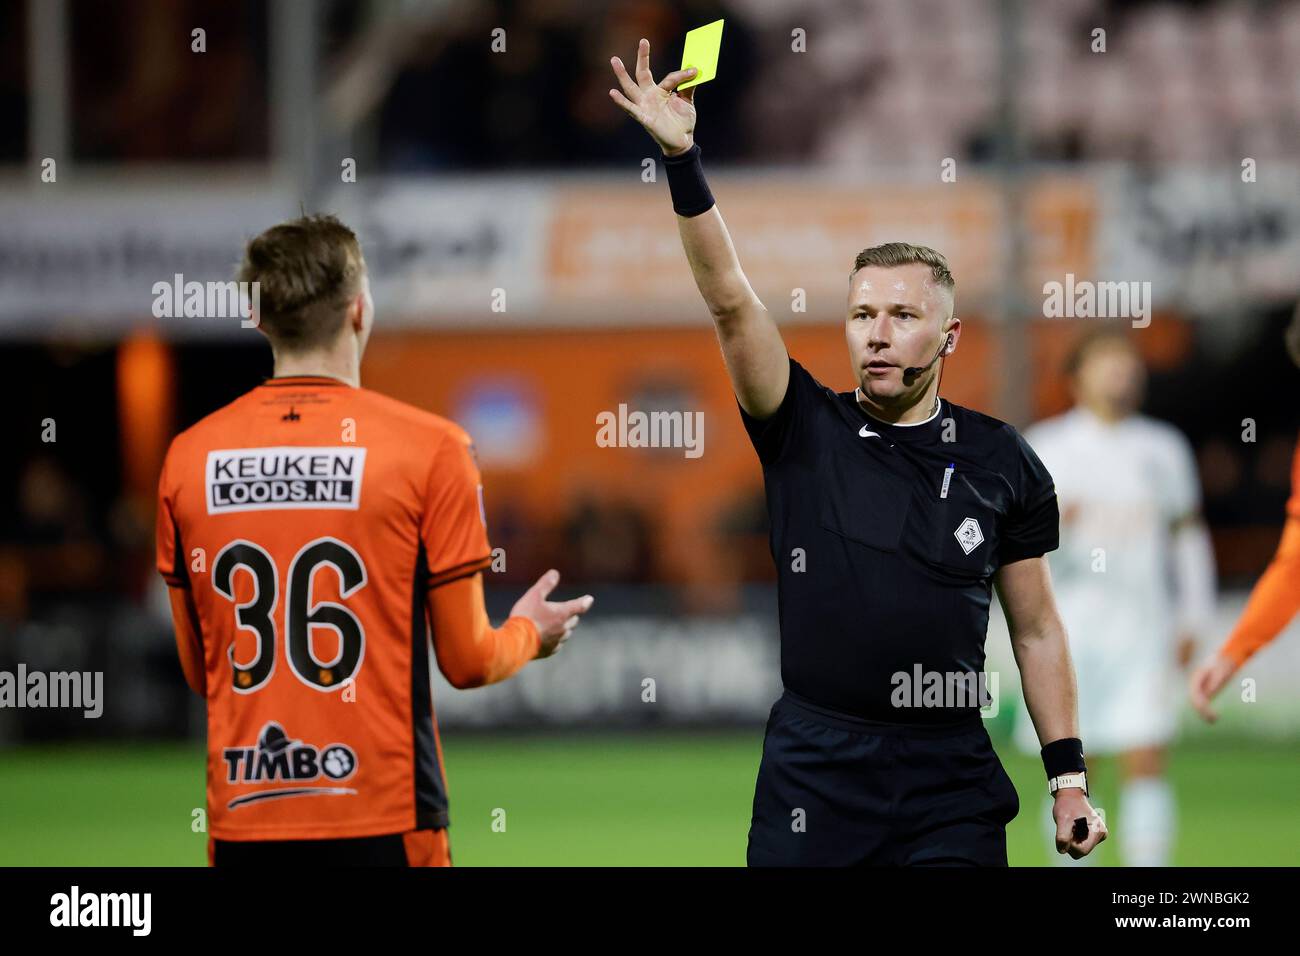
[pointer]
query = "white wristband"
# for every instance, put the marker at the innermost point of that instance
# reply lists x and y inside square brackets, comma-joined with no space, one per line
[1079,780]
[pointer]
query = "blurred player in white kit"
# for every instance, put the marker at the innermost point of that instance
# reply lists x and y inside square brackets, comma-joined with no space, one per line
[1134,576]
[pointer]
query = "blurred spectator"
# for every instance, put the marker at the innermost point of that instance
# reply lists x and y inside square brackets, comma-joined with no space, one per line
[838,84]
[63,557]
[140,92]
[607,543]
[13,82]
[743,530]
[455,103]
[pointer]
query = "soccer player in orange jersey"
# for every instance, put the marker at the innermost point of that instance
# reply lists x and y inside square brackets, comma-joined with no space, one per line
[312,534]
[1276,597]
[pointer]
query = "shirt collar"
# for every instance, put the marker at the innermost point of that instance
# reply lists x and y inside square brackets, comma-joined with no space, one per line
[305,380]
[857,400]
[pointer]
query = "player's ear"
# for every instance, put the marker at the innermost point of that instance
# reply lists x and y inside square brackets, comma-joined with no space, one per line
[357,313]
[363,308]
[953,333]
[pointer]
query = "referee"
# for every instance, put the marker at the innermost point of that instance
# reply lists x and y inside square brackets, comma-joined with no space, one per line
[892,512]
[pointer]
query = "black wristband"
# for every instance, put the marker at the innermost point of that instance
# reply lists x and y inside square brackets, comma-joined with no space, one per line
[1063,756]
[686,183]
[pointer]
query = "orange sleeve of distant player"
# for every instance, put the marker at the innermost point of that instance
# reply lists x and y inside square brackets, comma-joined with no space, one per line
[170,561]
[189,643]
[453,528]
[470,651]
[1273,602]
[169,556]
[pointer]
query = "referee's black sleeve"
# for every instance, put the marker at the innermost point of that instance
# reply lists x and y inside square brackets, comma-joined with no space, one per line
[1033,524]
[774,437]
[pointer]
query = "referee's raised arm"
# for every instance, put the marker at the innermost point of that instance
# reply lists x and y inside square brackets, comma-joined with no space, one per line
[751,342]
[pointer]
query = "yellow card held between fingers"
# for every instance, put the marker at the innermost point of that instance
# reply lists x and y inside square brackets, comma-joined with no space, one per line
[701,51]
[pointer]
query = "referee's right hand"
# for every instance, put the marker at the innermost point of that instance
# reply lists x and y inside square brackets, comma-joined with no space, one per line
[555,620]
[667,115]
[1071,803]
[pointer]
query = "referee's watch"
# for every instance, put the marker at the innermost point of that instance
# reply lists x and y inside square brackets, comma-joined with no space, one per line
[1079,779]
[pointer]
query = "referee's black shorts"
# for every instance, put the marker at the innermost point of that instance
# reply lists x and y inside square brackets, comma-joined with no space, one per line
[836,790]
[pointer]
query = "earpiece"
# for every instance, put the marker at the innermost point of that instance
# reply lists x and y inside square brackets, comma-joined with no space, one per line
[914,370]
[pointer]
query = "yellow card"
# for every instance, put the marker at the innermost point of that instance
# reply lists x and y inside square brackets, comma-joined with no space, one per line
[701,51]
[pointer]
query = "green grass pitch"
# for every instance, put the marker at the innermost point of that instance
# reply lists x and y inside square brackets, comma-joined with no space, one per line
[633,799]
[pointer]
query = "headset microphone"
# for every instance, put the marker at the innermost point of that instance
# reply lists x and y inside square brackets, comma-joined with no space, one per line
[914,370]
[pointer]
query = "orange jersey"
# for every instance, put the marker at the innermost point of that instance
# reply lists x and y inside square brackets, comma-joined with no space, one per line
[1276,596]
[309,519]
[1293,503]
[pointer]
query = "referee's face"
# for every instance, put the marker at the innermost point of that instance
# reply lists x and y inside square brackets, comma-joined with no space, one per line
[897,317]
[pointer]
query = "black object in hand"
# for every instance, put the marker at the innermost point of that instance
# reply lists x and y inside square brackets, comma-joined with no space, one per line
[1080,832]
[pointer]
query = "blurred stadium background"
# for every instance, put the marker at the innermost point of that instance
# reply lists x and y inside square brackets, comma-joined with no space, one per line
[527,277]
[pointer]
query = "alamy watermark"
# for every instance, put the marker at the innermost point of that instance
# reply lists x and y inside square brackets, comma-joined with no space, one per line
[658,429]
[130,910]
[950,690]
[178,299]
[58,689]
[1084,299]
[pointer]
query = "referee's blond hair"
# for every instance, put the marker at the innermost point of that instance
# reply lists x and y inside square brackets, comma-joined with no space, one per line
[893,254]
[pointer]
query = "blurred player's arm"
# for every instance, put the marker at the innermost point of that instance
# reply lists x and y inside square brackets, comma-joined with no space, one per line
[1191,552]
[1275,598]
[1273,602]
[170,562]
[755,355]
[1194,582]
[472,653]
[189,643]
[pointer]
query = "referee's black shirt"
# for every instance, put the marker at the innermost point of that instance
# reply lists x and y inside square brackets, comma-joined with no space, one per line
[879,571]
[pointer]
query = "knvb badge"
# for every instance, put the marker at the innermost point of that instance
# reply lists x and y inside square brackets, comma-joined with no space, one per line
[969,535]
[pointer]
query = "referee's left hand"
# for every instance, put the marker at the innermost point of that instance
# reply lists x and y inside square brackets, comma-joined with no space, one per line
[1071,803]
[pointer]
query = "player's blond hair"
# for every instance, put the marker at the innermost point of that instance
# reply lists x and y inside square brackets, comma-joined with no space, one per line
[308,270]
[893,254]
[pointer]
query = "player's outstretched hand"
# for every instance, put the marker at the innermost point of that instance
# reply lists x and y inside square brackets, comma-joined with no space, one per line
[555,620]
[667,115]
[1207,680]
[1072,805]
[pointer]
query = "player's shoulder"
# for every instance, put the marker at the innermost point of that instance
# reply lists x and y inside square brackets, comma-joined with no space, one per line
[385,420]
[1163,437]
[410,420]
[206,433]
[1053,428]
[415,438]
